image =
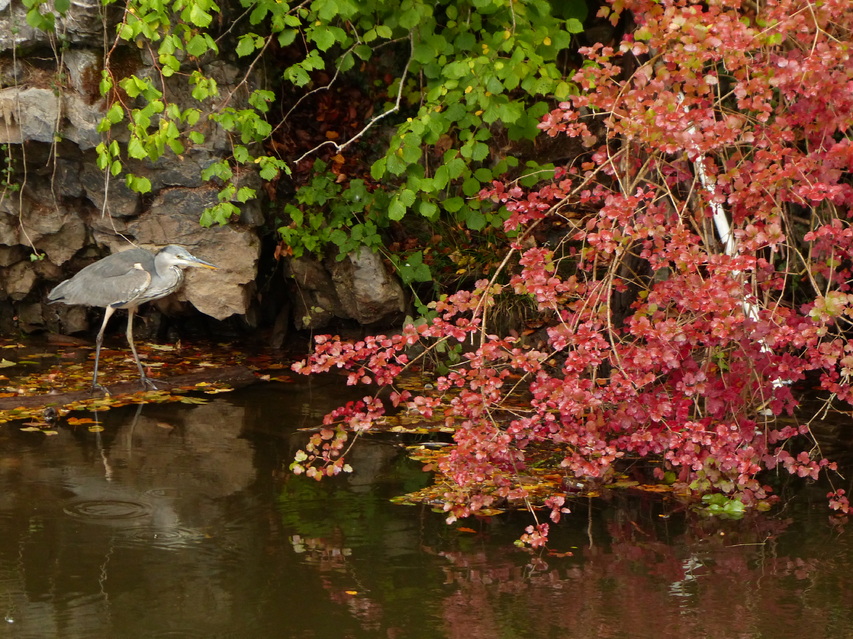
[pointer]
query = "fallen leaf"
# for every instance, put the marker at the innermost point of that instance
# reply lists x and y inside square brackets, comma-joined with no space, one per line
[80,420]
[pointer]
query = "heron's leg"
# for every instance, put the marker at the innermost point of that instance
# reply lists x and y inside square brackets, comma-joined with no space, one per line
[146,382]
[108,313]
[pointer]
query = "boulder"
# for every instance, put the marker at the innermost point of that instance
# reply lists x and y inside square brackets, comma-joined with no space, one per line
[367,291]
[359,287]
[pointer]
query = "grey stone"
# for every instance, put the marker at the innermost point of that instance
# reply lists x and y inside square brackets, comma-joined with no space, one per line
[366,290]
[359,287]
[30,317]
[315,302]
[82,24]
[121,201]
[40,221]
[30,114]
[18,280]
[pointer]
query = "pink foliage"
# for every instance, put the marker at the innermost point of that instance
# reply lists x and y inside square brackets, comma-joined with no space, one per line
[697,370]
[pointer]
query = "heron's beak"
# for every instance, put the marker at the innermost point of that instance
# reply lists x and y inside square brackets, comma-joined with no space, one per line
[203,264]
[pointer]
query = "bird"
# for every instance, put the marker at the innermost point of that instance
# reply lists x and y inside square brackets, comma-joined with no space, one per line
[126,280]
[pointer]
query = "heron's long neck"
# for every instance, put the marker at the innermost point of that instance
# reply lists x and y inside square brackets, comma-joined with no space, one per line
[169,280]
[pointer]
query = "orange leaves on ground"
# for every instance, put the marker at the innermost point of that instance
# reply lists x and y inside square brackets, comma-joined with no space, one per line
[47,368]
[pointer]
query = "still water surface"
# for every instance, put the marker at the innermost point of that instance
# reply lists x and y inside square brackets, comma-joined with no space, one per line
[181,521]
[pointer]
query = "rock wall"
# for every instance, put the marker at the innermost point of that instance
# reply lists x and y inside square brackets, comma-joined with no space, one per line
[59,212]
[56,202]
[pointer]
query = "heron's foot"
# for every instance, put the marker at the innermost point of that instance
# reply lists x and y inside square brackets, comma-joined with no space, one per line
[97,388]
[148,383]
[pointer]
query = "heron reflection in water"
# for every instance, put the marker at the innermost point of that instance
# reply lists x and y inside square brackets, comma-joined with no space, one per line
[126,280]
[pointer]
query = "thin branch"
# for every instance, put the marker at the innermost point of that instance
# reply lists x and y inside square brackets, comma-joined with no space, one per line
[374,120]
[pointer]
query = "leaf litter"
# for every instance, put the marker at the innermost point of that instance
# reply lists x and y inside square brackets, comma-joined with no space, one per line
[45,369]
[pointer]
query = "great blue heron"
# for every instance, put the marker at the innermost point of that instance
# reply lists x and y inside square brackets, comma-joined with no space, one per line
[126,280]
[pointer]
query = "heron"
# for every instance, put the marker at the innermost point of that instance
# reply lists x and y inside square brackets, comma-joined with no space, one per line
[126,280]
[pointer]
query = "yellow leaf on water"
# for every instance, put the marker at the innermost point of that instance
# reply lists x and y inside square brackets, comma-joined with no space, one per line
[5,363]
[74,421]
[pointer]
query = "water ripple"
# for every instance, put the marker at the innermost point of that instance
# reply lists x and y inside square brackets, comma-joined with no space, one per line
[106,510]
[151,536]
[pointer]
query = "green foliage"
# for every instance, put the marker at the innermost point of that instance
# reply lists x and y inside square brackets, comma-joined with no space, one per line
[477,72]
[327,214]
[473,78]
[40,13]
[723,506]
[7,182]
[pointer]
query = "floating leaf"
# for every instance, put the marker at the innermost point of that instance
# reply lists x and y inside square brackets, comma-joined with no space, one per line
[73,421]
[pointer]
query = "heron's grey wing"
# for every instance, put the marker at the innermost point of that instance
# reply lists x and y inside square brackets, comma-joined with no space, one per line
[116,280]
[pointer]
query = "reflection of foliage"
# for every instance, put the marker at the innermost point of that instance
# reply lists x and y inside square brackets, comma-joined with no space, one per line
[659,341]
[346,513]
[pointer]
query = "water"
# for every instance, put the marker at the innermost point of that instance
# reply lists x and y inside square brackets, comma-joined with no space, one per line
[181,521]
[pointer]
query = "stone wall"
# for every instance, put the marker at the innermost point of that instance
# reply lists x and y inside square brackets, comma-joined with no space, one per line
[58,205]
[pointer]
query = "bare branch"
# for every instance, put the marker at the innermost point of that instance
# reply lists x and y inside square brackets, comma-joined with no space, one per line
[374,120]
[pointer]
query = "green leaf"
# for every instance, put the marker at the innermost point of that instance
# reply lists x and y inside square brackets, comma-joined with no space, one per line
[414,269]
[475,220]
[428,209]
[244,194]
[573,25]
[286,37]
[471,187]
[377,169]
[297,75]
[455,168]
[396,210]
[363,51]
[138,184]
[483,175]
[135,149]
[479,152]
[324,38]
[106,84]
[197,46]
[126,32]
[115,114]
[246,45]
[199,17]
[453,204]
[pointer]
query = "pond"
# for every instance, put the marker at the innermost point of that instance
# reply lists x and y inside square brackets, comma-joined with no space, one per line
[182,521]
